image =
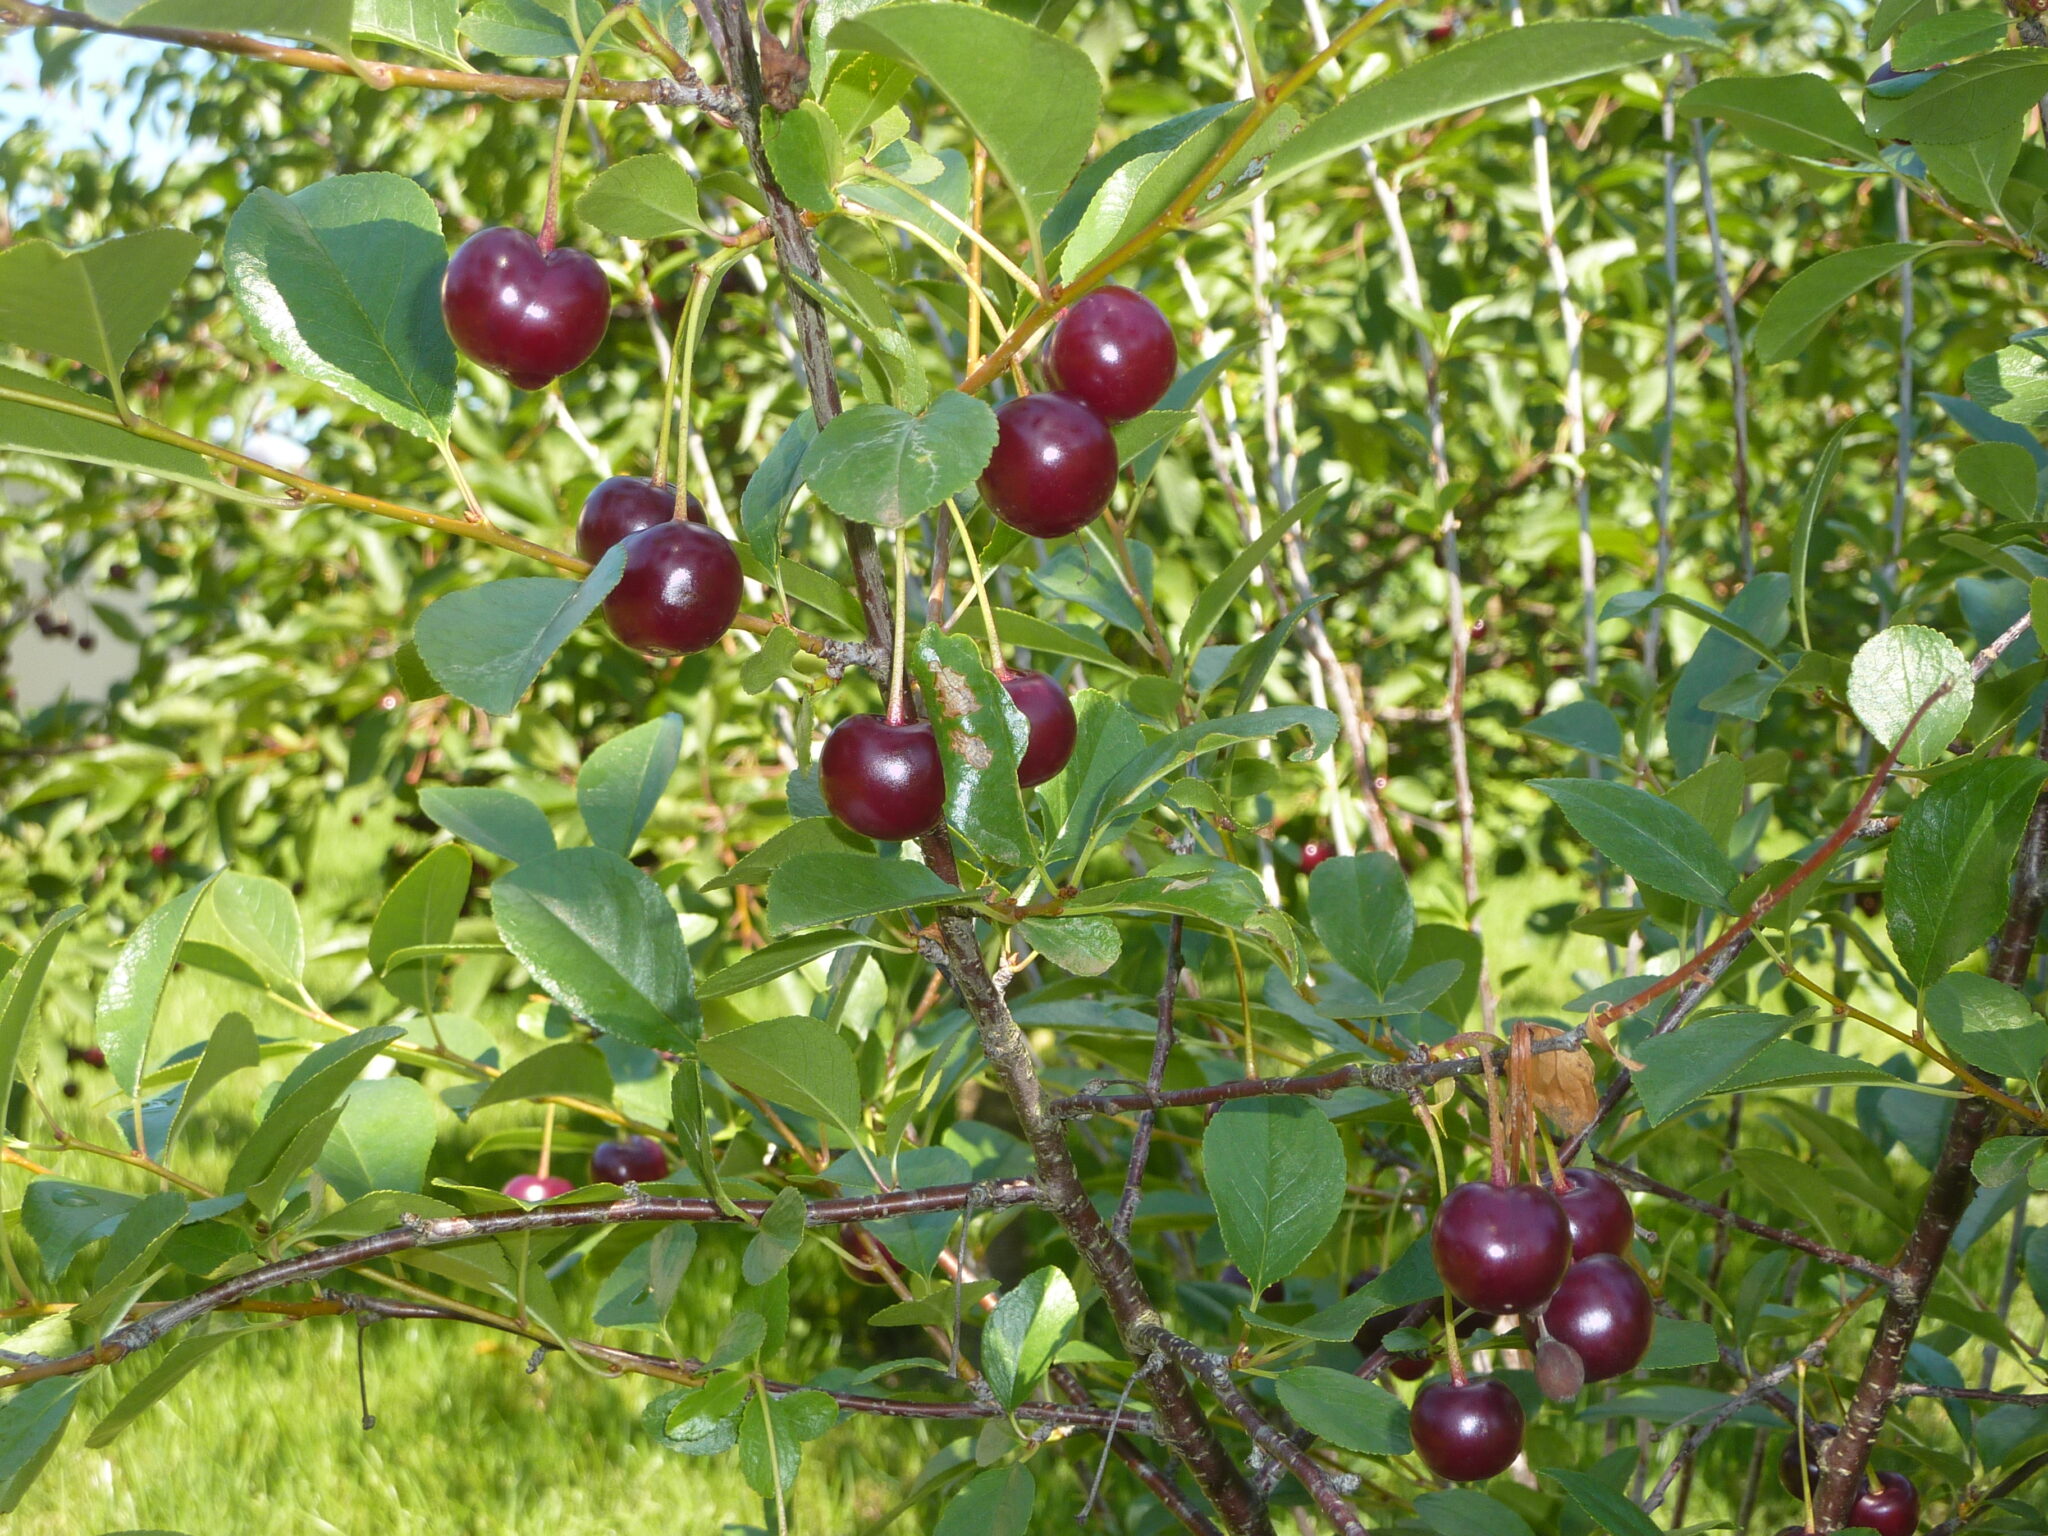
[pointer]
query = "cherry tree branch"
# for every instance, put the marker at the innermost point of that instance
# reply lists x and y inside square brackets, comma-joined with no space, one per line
[1162,1047]
[1974,1395]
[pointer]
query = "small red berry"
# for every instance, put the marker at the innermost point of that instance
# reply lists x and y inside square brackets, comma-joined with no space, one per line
[159,854]
[1050,714]
[631,1159]
[1313,853]
[884,781]
[529,314]
[622,506]
[1114,352]
[1054,466]
[533,1188]
[680,590]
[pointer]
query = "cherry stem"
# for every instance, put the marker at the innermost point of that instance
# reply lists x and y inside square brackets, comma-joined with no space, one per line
[692,324]
[668,389]
[551,212]
[988,612]
[547,1139]
[1455,1360]
[1496,1134]
[896,715]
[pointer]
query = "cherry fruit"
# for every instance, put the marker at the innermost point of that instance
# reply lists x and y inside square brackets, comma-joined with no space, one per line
[679,592]
[1409,1367]
[1114,353]
[631,1159]
[883,780]
[1050,714]
[532,1188]
[1314,853]
[1053,468]
[1466,1434]
[622,506]
[1817,1437]
[1599,1213]
[1604,1311]
[529,314]
[1501,1248]
[1892,1510]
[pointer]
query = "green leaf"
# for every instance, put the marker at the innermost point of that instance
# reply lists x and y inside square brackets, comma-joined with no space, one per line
[133,991]
[2004,1158]
[486,644]
[619,786]
[804,1063]
[916,1242]
[32,1421]
[383,1141]
[2012,383]
[127,1264]
[1988,1024]
[58,434]
[1607,1509]
[640,1291]
[2002,476]
[262,924]
[572,1069]
[1946,876]
[1338,1407]
[496,820]
[425,26]
[765,501]
[327,22]
[1975,173]
[1678,1342]
[60,1218]
[1148,144]
[1800,115]
[876,464]
[341,282]
[1499,66]
[982,736]
[177,1363]
[1036,113]
[1216,597]
[1964,101]
[1275,1168]
[997,1502]
[778,959]
[1025,1332]
[1808,299]
[1585,725]
[649,197]
[92,305]
[1817,489]
[814,890]
[306,1097]
[807,155]
[420,911]
[1647,837]
[775,1240]
[813,834]
[1081,946]
[22,983]
[231,1048]
[701,1421]
[1365,917]
[600,937]
[1468,1512]
[529,29]
[1686,1065]
[1895,673]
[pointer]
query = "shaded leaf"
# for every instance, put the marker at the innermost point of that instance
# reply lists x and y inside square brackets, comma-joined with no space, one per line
[1275,1168]
[486,644]
[92,305]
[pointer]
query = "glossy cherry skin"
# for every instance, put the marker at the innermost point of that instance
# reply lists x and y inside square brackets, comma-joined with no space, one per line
[1114,353]
[1817,1437]
[1050,714]
[679,592]
[622,506]
[633,1159]
[882,780]
[1894,1510]
[1408,1367]
[1501,1249]
[1599,1213]
[529,314]
[1604,1311]
[1314,853]
[532,1188]
[1466,1434]
[1054,466]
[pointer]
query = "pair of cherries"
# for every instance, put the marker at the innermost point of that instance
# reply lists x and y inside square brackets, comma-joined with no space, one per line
[1556,1257]
[883,778]
[1112,357]
[681,589]
[629,1160]
[1890,1509]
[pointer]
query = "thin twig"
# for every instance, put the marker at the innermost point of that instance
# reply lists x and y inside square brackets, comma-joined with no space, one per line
[1162,1047]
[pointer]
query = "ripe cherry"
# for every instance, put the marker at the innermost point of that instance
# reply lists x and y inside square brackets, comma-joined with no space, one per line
[529,314]
[1599,1214]
[1409,1367]
[1501,1248]
[679,592]
[159,854]
[1114,353]
[1817,1437]
[1892,1510]
[1313,853]
[1054,466]
[1050,714]
[883,780]
[1604,1311]
[532,1188]
[631,1159]
[1466,1434]
[620,507]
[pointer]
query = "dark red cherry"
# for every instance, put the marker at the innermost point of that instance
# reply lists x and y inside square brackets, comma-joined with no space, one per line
[883,780]
[632,1159]
[679,592]
[1232,1275]
[1604,1311]
[1817,1437]
[1050,714]
[529,314]
[1599,1213]
[1313,854]
[1501,1249]
[159,854]
[1114,353]
[1409,1367]
[622,506]
[1054,466]
[1893,1510]
[532,1188]
[1466,1434]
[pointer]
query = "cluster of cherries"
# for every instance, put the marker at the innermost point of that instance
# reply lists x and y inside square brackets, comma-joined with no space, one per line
[631,1159]
[522,308]
[1892,1508]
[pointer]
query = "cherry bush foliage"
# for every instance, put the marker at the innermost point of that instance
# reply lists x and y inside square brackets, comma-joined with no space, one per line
[1557,684]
